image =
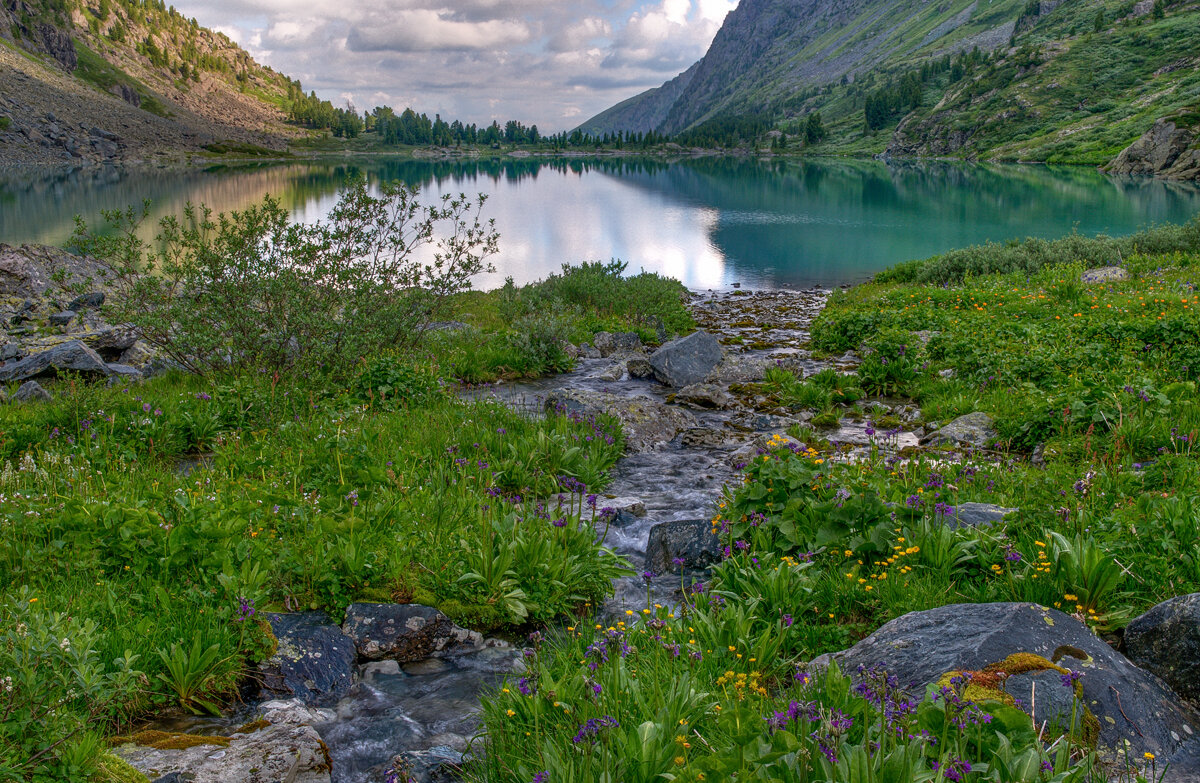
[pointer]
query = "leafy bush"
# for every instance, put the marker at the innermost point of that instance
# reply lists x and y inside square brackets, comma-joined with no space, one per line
[1028,257]
[252,289]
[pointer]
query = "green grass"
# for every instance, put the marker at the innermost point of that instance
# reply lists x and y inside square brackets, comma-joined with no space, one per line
[95,70]
[1099,379]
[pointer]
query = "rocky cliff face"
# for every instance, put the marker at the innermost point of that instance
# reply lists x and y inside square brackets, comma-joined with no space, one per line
[643,112]
[768,50]
[121,81]
[1167,150]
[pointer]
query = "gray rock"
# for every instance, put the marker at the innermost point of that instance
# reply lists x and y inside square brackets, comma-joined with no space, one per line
[31,391]
[751,421]
[439,764]
[1131,705]
[1166,150]
[138,355]
[405,632]
[1166,641]
[293,712]
[11,351]
[1105,274]
[123,372]
[62,319]
[947,373]
[646,423]
[691,539]
[979,514]
[608,343]
[71,355]
[1043,693]
[313,663]
[705,395]
[708,438]
[88,301]
[588,352]
[639,368]
[974,430]
[612,373]
[272,754]
[687,360]
[109,340]
[446,326]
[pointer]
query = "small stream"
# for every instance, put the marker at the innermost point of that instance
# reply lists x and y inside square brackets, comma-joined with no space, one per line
[434,704]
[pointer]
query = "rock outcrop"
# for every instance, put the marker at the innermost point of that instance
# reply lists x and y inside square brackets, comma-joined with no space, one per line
[1167,150]
[973,430]
[1130,705]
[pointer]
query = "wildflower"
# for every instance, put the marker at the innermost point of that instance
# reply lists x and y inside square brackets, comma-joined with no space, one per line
[592,727]
[541,777]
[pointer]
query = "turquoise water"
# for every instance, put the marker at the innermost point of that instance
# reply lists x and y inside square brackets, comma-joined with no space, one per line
[710,222]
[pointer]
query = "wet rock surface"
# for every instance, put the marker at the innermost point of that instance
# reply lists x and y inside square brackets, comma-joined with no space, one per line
[1130,705]
[686,361]
[647,423]
[313,663]
[690,541]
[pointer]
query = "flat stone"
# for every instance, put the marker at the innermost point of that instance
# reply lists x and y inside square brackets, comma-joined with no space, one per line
[645,422]
[705,396]
[974,430]
[314,662]
[1105,274]
[71,355]
[278,752]
[405,632]
[62,319]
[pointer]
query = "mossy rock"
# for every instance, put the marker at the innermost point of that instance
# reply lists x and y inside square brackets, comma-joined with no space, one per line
[114,769]
[165,740]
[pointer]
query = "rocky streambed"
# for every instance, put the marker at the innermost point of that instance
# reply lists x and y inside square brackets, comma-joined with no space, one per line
[399,685]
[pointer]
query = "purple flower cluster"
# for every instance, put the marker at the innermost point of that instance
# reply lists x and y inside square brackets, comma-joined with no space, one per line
[590,730]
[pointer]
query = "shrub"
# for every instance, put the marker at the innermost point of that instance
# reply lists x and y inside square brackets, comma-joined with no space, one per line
[253,289]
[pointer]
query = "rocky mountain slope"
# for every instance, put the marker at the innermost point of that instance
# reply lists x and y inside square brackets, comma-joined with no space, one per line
[1073,81]
[94,80]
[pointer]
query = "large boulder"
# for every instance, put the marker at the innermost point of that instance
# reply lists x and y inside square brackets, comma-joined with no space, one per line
[1166,641]
[259,754]
[1130,705]
[313,663]
[687,360]
[690,540]
[34,271]
[646,423]
[406,632]
[974,430]
[1166,150]
[31,391]
[71,355]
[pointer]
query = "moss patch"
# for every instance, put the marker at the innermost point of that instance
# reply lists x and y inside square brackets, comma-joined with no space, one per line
[114,769]
[165,740]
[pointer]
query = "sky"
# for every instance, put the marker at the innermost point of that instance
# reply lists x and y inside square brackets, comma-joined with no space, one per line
[553,63]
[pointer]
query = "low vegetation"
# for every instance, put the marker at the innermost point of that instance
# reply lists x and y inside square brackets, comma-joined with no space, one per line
[1098,381]
[147,528]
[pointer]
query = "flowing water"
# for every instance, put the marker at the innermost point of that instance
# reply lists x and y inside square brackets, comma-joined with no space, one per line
[710,222]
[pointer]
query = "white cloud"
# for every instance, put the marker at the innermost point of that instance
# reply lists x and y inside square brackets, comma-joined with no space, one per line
[541,61]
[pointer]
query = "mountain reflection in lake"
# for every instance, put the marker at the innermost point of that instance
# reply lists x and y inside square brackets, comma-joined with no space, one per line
[710,222]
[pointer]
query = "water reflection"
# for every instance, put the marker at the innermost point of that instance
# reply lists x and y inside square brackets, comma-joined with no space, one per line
[710,222]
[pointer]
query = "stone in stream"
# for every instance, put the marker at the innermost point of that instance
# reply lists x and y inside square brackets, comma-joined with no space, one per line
[72,355]
[405,632]
[705,395]
[609,343]
[265,754]
[1166,641]
[974,430]
[314,661]
[687,360]
[639,367]
[439,764]
[691,540]
[646,423]
[1129,705]
[612,373]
